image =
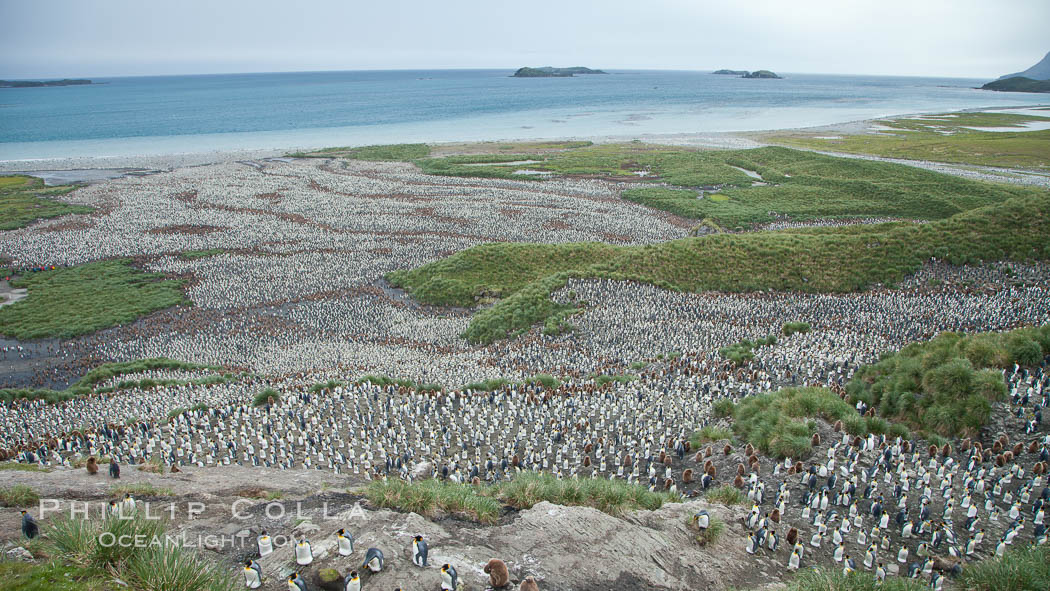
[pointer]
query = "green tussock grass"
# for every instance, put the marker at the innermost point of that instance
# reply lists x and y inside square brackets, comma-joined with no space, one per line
[88,384]
[947,386]
[21,467]
[264,396]
[18,495]
[832,579]
[391,152]
[791,328]
[24,200]
[484,503]
[780,424]
[430,497]
[605,379]
[192,255]
[73,301]
[1019,569]
[726,495]
[53,575]
[141,489]
[159,563]
[609,496]
[920,139]
[723,408]
[799,184]
[709,434]
[814,260]
[714,530]
[744,351]
[495,271]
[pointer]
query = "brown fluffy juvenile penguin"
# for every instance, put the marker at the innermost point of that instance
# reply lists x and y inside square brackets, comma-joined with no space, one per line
[498,574]
[529,584]
[92,465]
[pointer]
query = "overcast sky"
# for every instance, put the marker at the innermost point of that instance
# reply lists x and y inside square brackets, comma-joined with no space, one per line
[967,38]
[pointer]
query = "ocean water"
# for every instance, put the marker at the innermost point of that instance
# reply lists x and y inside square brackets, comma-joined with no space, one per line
[191,114]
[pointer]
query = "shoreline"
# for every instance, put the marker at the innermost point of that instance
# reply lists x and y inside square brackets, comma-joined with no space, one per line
[123,165]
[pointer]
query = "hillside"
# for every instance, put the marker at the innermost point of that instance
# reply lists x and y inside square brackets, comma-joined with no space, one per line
[1040,71]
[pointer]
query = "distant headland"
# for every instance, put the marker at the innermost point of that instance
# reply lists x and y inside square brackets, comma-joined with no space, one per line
[1018,84]
[1034,79]
[746,74]
[552,72]
[37,84]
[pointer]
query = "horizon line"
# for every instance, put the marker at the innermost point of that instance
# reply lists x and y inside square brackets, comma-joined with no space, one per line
[453,69]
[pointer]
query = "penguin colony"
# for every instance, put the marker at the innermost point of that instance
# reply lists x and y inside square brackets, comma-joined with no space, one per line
[307,243]
[894,507]
[297,298]
[374,562]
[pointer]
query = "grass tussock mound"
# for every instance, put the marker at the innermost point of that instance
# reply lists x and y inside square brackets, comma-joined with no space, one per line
[727,495]
[782,423]
[18,495]
[157,562]
[744,351]
[1019,569]
[484,503]
[832,579]
[88,384]
[947,385]
[72,301]
[431,497]
[815,260]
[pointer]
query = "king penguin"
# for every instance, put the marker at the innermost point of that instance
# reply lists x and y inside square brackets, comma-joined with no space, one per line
[373,560]
[296,583]
[449,578]
[353,582]
[304,553]
[419,551]
[345,542]
[794,561]
[114,469]
[265,544]
[252,575]
[701,520]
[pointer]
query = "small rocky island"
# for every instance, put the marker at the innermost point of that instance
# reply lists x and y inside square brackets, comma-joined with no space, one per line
[552,72]
[731,72]
[37,83]
[761,74]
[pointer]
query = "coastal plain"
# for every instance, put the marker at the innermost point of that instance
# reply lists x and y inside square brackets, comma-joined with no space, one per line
[420,329]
